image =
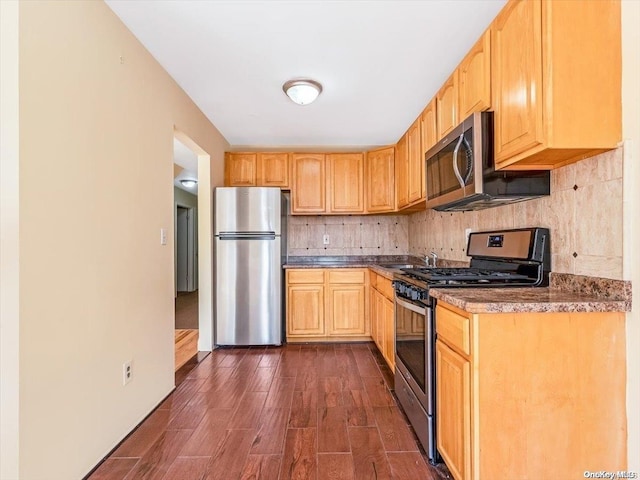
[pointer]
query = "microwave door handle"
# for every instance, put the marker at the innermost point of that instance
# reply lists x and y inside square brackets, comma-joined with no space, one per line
[456,170]
[469,154]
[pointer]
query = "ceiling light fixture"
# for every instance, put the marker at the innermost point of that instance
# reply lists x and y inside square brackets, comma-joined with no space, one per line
[189,183]
[302,91]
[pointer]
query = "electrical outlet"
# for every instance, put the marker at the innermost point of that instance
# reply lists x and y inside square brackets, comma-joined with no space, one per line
[467,232]
[325,240]
[127,372]
[163,236]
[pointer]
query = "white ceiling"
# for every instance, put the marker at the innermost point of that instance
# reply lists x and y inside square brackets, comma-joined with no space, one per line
[379,62]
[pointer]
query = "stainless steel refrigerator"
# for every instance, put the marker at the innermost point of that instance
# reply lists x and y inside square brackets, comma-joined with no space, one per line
[249,246]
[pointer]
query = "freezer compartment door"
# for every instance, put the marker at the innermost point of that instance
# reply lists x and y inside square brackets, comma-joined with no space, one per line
[247,209]
[248,293]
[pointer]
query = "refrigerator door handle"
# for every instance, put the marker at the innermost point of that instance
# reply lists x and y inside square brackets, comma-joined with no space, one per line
[247,236]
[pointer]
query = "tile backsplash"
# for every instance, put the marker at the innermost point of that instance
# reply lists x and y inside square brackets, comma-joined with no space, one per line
[583,213]
[348,235]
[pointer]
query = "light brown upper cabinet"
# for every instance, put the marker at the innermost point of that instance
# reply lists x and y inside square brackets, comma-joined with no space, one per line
[345,185]
[402,172]
[240,169]
[380,175]
[273,170]
[308,183]
[556,82]
[256,170]
[447,105]
[331,183]
[474,78]
[429,129]
[415,178]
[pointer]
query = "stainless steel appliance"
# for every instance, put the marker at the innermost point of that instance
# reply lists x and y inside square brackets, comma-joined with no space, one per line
[249,243]
[508,258]
[460,173]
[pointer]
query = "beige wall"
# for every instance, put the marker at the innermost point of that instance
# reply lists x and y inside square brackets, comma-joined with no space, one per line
[631,134]
[586,221]
[97,120]
[348,235]
[184,199]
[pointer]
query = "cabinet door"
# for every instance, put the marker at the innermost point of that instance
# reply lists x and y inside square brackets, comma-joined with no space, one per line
[517,78]
[273,170]
[346,307]
[429,129]
[345,186]
[474,78]
[389,333]
[447,106]
[240,169]
[402,172]
[305,310]
[453,410]
[373,316]
[415,178]
[308,183]
[380,180]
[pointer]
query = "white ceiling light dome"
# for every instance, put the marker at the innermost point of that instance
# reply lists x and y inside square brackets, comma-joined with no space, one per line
[302,91]
[189,183]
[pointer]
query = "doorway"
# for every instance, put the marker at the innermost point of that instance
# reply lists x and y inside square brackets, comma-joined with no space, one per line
[185,254]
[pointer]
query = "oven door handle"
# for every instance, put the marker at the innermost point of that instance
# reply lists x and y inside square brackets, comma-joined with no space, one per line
[410,306]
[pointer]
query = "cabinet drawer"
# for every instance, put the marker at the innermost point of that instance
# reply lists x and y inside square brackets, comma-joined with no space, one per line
[347,276]
[453,329]
[305,276]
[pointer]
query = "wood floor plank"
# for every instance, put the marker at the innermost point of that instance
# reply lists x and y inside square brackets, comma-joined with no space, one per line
[261,379]
[232,357]
[396,435]
[231,456]
[332,430]
[141,440]
[378,393]
[270,358]
[261,467]
[336,466]
[208,434]
[329,392]
[358,409]
[114,469]
[369,457]
[304,408]
[410,465]
[227,395]
[271,430]
[307,379]
[155,463]
[247,414]
[299,458]
[187,468]
[281,392]
[188,418]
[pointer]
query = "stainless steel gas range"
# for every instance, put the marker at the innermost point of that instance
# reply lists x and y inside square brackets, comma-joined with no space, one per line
[505,258]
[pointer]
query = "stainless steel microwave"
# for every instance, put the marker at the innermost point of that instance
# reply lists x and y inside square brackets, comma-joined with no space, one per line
[460,171]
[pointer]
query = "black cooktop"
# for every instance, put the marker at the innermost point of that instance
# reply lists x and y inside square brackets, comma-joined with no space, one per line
[464,275]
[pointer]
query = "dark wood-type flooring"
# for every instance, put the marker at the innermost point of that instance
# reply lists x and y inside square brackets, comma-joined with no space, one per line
[295,412]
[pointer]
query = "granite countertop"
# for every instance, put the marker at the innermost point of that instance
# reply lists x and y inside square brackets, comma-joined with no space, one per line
[518,300]
[381,264]
[566,293]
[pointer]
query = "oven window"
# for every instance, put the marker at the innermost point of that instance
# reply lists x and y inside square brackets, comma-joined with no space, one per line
[410,342]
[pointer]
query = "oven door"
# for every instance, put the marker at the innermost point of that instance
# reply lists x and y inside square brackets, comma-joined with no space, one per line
[414,349]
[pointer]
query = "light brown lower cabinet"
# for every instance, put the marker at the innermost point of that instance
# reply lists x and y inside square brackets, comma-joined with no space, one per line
[327,304]
[382,317]
[530,395]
